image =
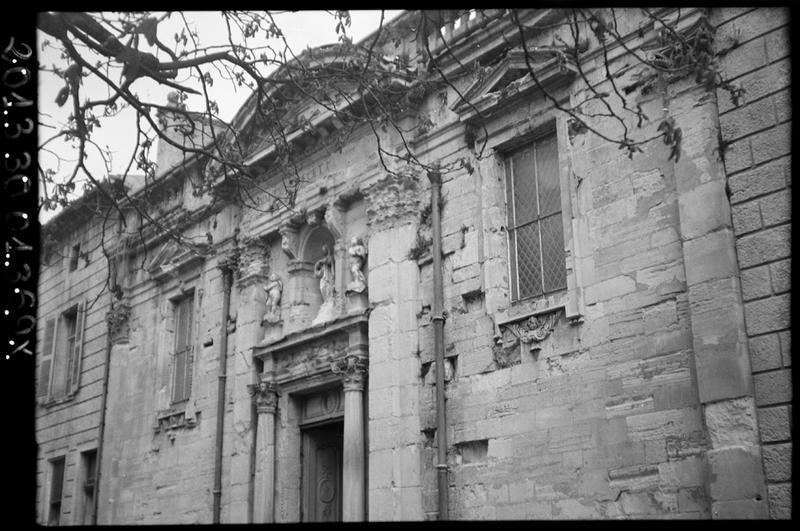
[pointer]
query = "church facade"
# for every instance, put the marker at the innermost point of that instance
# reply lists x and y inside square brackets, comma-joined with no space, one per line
[614,330]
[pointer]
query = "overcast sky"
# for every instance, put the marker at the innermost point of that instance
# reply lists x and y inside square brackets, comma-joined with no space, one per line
[118,134]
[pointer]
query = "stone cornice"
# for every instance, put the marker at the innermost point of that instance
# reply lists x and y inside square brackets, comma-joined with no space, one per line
[299,339]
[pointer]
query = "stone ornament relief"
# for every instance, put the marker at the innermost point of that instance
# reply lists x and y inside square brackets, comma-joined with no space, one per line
[530,331]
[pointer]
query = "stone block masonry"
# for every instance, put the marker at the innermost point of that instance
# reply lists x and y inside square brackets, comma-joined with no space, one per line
[757,162]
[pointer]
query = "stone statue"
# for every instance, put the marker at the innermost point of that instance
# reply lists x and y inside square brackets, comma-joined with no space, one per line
[323,269]
[274,290]
[358,255]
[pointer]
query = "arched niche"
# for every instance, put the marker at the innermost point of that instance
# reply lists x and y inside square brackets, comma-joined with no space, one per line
[312,242]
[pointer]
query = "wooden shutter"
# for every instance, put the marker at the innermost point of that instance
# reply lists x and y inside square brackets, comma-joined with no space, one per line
[46,355]
[77,350]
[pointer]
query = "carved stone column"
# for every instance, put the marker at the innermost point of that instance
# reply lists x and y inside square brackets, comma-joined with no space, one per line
[353,368]
[266,399]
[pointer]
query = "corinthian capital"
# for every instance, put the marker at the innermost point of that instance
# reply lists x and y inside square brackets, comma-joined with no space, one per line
[353,368]
[253,259]
[393,199]
[265,395]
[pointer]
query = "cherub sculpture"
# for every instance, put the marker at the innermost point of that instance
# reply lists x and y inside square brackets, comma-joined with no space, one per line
[274,290]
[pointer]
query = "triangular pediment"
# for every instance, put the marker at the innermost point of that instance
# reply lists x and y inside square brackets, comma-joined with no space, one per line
[168,259]
[510,78]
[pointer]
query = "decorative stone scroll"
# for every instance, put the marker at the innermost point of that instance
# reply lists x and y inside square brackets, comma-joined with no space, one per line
[334,219]
[530,331]
[265,395]
[353,368]
[289,240]
[117,319]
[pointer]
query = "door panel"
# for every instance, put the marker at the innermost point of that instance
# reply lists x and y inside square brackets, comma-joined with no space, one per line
[322,474]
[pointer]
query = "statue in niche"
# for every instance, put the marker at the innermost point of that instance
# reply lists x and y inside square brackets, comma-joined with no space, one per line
[274,290]
[323,269]
[358,255]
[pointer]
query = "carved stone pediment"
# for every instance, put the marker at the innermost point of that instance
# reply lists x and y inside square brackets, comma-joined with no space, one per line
[169,259]
[511,78]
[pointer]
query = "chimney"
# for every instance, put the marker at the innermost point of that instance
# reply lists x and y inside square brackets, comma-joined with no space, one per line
[177,125]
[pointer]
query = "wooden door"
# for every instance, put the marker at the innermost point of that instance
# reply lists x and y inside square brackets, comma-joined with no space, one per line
[322,473]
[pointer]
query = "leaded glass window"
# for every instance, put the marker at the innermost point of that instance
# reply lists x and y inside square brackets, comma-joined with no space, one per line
[535,230]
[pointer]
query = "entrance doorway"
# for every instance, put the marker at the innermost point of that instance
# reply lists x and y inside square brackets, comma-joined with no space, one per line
[322,472]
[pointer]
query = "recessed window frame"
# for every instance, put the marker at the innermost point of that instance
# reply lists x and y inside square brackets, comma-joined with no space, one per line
[55,500]
[182,346]
[87,489]
[514,225]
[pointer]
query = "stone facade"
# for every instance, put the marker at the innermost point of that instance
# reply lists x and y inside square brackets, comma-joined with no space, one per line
[655,384]
[757,163]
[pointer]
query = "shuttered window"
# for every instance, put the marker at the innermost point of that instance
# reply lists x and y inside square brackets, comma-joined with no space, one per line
[182,357]
[89,466]
[56,490]
[535,230]
[46,355]
[61,354]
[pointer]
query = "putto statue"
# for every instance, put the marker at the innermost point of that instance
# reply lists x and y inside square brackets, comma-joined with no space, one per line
[358,255]
[274,290]
[323,269]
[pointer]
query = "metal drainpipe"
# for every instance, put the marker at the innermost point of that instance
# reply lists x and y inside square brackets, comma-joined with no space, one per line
[102,427]
[227,280]
[438,330]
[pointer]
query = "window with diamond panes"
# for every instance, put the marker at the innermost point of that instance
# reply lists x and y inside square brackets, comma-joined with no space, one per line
[535,231]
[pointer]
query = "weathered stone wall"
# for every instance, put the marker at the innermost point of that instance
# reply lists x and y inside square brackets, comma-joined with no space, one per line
[70,427]
[756,140]
[158,463]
